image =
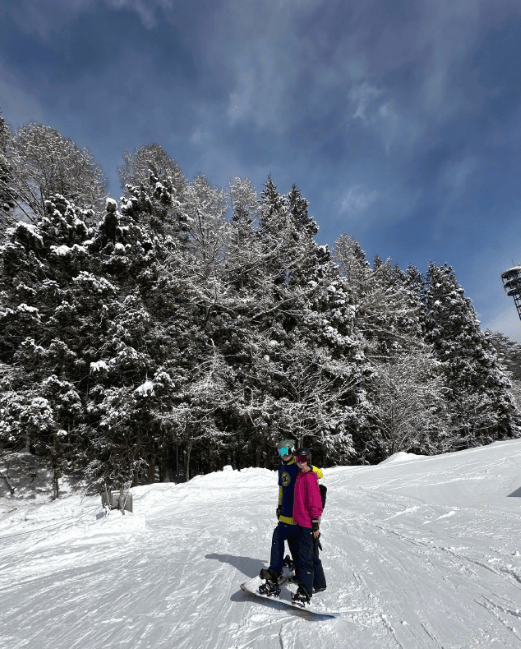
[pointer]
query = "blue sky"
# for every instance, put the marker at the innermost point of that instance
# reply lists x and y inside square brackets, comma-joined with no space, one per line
[399,121]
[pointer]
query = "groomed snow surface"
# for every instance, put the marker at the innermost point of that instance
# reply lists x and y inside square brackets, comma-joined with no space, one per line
[418,552]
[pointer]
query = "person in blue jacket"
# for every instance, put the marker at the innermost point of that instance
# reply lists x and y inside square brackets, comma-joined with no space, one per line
[287,529]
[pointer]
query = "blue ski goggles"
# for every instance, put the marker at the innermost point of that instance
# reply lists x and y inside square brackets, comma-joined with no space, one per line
[285,450]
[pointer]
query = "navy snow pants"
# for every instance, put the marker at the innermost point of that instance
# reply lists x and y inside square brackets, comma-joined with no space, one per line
[310,572]
[283,532]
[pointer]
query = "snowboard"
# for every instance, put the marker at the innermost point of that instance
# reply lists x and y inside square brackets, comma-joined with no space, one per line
[286,591]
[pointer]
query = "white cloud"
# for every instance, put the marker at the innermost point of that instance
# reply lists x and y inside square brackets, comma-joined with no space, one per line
[261,83]
[240,99]
[362,96]
[200,137]
[456,177]
[355,201]
[445,35]
[146,9]
[50,15]
[380,116]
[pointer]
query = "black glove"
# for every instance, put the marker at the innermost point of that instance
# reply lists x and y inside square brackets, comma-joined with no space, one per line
[279,510]
[315,525]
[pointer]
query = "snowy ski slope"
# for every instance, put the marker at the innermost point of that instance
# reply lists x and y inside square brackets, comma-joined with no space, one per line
[418,553]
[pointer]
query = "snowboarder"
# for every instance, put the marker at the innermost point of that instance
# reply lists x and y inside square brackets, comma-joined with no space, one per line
[307,510]
[287,529]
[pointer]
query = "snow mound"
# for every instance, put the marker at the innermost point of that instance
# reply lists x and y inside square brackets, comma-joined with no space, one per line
[401,457]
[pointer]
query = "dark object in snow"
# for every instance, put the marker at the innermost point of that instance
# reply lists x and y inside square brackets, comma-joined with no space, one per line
[117,499]
[323,494]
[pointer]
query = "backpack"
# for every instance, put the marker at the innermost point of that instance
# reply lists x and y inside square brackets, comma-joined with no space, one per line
[323,494]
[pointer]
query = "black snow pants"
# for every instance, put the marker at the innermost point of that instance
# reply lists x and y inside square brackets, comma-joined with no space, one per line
[310,572]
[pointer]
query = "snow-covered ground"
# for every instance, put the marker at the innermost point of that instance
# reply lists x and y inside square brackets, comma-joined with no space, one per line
[418,552]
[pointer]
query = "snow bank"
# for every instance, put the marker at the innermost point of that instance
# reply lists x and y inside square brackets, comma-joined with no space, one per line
[402,457]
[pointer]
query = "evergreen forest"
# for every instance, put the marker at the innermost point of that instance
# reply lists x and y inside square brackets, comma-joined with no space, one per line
[186,327]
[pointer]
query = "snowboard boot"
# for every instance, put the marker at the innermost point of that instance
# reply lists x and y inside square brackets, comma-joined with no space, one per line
[290,567]
[271,585]
[301,597]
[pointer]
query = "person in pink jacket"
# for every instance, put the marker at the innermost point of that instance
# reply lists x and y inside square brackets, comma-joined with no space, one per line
[307,510]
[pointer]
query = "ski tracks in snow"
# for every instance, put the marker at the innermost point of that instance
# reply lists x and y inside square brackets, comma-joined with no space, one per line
[438,576]
[418,555]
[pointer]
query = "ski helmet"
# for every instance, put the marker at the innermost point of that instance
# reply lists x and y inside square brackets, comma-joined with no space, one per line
[303,455]
[286,447]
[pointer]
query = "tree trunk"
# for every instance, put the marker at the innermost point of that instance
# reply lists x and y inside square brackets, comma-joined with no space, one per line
[122,498]
[8,484]
[165,474]
[55,485]
[151,469]
[188,452]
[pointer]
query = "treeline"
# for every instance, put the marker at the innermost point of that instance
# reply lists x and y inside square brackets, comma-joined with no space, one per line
[188,327]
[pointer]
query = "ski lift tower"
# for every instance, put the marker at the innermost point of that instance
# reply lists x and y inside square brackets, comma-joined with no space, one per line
[512,285]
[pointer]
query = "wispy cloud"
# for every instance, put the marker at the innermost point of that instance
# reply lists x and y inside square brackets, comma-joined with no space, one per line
[146,9]
[362,97]
[240,100]
[355,201]
[260,84]
[48,16]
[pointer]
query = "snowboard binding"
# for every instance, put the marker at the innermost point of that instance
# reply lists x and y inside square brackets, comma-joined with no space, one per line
[270,586]
[301,597]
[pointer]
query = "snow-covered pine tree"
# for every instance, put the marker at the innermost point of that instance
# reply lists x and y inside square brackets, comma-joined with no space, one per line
[151,159]
[509,357]
[206,209]
[45,320]
[302,374]
[7,203]
[387,314]
[408,406]
[276,233]
[45,163]
[132,247]
[480,406]
[243,260]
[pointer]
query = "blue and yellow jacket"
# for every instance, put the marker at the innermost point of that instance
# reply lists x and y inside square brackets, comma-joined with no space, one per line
[287,476]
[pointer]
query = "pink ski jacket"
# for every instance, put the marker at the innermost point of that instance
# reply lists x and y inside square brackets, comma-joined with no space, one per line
[307,503]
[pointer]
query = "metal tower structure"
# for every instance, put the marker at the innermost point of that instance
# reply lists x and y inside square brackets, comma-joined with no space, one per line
[512,285]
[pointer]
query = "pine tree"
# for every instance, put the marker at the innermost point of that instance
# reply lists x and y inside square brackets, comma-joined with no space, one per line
[509,357]
[44,318]
[243,261]
[409,411]
[206,209]
[480,406]
[151,159]
[388,313]
[7,203]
